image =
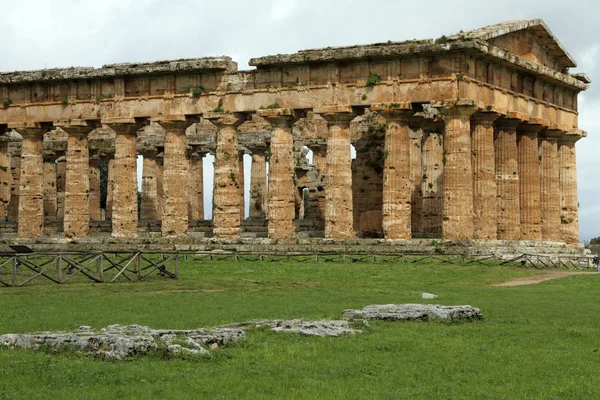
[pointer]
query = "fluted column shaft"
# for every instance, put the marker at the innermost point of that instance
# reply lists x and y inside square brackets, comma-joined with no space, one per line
[529,182]
[31,190]
[485,214]
[568,189]
[196,187]
[507,179]
[281,212]
[50,205]
[226,197]
[258,186]
[416,175]
[94,198]
[242,184]
[175,177]
[457,222]
[550,186]
[5,178]
[433,176]
[124,174]
[338,178]
[61,179]
[149,203]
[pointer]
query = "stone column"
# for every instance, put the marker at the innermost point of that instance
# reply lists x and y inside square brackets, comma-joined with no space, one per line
[507,179]
[195,184]
[338,179]
[258,185]
[199,189]
[241,184]
[485,214]
[175,176]
[159,183]
[433,174]
[149,203]
[61,178]
[397,171]
[416,175]
[281,174]
[5,177]
[568,188]
[124,173]
[529,181]
[226,198]
[94,198]
[31,190]
[320,161]
[50,198]
[110,189]
[550,186]
[77,185]
[457,222]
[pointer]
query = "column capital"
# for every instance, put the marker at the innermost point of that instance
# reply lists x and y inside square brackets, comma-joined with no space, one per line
[77,126]
[394,112]
[533,128]
[127,126]
[336,115]
[280,117]
[571,137]
[485,117]
[175,122]
[458,108]
[222,120]
[31,129]
[551,133]
[512,120]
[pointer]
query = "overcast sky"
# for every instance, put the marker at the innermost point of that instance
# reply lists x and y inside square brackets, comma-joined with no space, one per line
[62,33]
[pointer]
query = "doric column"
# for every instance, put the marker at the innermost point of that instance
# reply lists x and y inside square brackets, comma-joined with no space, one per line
[160,158]
[507,177]
[149,203]
[195,183]
[175,175]
[124,174]
[110,189]
[433,177]
[568,187]
[5,176]
[397,171]
[320,161]
[416,175]
[550,186]
[50,199]
[529,179]
[31,190]
[281,172]
[13,205]
[338,178]
[94,198]
[457,222]
[258,185]
[485,214]
[61,178]
[199,188]
[241,184]
[77,185]
[226,198]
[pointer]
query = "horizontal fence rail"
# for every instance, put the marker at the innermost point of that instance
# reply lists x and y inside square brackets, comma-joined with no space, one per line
[17,270]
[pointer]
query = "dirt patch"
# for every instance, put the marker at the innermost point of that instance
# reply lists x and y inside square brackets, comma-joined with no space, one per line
[544,276]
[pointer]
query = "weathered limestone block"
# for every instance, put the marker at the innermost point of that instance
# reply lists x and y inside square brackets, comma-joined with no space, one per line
[50,206]
[323,328]
[507,179]
[94,197]
[258,185]
[149,203]
[433,174]
[550,186]
[31,191]
[338,181]
[110,189]
[226,198]
[5,177]
[485,213]
[61,179]
[397,184]
[416,175]
[415,312]
[175,176]
[530,181]
[124,171]
[159,183]
[242,184]
[77,185]
[457,222]
[281,207]
[568,188]
[13,205]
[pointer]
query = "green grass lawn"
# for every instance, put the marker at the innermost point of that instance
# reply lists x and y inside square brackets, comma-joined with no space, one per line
[539,341]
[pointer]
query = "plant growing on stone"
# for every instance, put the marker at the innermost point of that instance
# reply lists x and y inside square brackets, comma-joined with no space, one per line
[273,106]
[219,107]
[198,90]
[6,102]
[64,101]
[373,79]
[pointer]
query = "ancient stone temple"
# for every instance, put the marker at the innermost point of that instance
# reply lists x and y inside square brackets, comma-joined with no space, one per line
[470,136]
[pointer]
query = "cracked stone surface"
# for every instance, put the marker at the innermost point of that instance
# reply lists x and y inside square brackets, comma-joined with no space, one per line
[116,342]
[415,312]
[305,327]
